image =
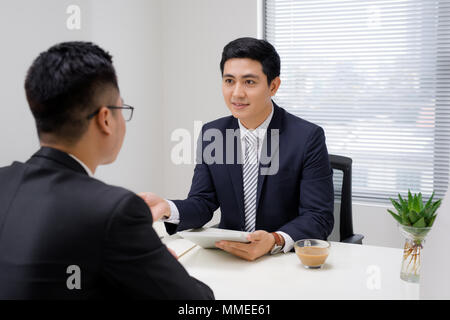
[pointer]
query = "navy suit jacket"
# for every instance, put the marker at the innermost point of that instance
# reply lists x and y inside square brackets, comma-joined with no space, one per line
[297,200]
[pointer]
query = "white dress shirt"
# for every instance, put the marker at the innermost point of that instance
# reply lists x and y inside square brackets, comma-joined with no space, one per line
[260,133]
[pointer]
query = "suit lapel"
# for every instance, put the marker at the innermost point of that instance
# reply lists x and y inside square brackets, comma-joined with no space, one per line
[270,150]
[235,170]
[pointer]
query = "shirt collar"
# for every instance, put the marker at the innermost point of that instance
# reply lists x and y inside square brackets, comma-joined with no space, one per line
[85,167]
[260,130]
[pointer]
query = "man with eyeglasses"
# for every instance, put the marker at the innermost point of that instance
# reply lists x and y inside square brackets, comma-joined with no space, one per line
[64,234]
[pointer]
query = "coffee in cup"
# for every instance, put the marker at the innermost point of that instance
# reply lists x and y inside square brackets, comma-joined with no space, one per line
[312,253]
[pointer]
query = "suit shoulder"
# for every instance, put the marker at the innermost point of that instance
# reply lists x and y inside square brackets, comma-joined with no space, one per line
[221,123]
[111,202]
[84,190]
[15,166]
[105,191]
[294,122]
[11,173]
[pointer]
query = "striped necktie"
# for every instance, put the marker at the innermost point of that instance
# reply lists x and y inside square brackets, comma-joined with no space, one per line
[250,176]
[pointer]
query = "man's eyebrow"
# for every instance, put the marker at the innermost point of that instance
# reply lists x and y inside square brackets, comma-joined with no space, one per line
[249,75]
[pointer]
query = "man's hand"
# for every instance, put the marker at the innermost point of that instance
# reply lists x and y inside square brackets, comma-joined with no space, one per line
[261,242]
[158,206]
[172,252]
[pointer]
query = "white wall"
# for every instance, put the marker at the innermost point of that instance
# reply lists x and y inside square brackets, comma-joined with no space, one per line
[24,36]
[377,225]
[434,277]
[131,31]
[194,34]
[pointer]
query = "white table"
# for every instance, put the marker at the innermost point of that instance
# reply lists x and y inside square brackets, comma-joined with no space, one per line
[351,272]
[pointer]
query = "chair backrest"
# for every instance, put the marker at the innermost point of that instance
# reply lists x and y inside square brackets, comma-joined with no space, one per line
[343,228]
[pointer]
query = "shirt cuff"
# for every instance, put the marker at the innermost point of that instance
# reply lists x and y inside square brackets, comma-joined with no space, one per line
[174,214]
[288,242]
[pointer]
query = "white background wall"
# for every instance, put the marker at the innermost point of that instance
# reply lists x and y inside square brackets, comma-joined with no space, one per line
[167,55]
[131,31]
[24,35]
[194,34]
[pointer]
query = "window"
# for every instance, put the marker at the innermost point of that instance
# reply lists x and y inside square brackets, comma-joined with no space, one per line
[376,76]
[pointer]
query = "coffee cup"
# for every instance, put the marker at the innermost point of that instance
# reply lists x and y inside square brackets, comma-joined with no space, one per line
[312,252]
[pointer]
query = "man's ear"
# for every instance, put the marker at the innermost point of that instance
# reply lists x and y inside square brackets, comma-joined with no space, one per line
[274,85]
[103,120]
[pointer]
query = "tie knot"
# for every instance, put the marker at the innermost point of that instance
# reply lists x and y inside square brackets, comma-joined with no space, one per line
[250,139]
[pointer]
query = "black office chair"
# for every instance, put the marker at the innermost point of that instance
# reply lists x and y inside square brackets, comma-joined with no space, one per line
[345,224]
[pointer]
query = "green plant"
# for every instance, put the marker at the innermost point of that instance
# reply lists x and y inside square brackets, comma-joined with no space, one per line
[416,220]
[412,212]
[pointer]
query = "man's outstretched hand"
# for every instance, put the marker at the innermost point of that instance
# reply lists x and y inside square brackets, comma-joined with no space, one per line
[158,206]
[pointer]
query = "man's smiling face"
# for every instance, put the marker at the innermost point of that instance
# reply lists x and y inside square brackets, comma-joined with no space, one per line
[246,91]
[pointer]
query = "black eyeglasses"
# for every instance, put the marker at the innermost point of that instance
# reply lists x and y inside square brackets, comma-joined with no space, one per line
[127,112]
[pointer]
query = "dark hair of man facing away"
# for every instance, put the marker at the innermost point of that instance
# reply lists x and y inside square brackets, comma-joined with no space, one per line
[255,49]
[56,219]
[81,74]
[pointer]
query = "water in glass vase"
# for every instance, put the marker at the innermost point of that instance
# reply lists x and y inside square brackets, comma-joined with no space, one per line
[415,239]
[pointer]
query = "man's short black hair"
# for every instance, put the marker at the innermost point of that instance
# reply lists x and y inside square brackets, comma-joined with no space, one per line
[64,85]
[255,49]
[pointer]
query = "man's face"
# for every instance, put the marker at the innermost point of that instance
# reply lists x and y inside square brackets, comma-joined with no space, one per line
[246,92]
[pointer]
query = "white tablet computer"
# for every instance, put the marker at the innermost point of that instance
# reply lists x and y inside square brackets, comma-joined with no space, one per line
[206,238]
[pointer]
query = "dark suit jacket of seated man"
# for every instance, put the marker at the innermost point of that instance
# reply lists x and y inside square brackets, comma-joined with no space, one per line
[54,216]
[297,200]
[64,234]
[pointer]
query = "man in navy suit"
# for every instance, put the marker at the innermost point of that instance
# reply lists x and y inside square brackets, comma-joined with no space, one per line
[278,184]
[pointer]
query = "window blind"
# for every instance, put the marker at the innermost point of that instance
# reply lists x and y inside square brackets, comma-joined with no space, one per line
[376,76]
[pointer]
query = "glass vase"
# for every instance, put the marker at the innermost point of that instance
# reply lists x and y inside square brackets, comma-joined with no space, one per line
[414,241]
